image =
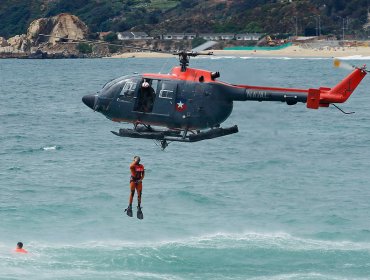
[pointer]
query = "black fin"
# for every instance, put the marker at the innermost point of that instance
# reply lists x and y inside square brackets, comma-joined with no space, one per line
[140,214]
[128,211]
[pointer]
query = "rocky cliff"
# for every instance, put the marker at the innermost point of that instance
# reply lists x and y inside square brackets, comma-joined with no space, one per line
[60,26]
[63,25]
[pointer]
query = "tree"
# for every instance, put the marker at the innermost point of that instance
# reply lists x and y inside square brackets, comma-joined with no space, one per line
[111,37]
[84,48]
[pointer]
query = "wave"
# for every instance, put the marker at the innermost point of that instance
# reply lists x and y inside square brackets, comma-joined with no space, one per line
[304,276]
[268,58]
[248,255]
[51,148]
[279,240]
[354,57]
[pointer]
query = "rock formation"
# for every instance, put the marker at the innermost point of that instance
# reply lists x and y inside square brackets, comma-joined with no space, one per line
[62,26]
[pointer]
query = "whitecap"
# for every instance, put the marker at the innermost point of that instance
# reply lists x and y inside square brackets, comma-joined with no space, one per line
[301,276]
[225,240]
[354,57]
[50,148]
[222,57]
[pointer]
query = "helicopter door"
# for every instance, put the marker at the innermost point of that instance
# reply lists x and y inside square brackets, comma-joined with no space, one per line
[146,96]
[166,92]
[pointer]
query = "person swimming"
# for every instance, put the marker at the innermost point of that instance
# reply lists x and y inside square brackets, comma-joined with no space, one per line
[19,248]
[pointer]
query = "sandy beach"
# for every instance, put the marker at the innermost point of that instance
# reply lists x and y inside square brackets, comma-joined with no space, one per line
[292,51]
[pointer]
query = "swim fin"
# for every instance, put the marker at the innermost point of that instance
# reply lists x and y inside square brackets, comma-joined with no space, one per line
[140,214]
[128,211]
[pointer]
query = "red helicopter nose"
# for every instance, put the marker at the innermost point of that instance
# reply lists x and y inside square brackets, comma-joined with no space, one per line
[89,100]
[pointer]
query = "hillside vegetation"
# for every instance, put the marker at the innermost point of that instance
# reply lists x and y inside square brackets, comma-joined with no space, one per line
[306,17]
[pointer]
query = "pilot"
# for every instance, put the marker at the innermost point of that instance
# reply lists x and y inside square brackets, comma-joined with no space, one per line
[137,176]
[147,97]
[145,84]
[19,248]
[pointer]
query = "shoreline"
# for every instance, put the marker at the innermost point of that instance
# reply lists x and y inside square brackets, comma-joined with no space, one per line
[360,52]
[290,52]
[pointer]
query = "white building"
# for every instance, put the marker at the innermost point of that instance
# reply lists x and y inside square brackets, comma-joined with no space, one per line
[179,36]
[217,36]
[132,36]
[248,37]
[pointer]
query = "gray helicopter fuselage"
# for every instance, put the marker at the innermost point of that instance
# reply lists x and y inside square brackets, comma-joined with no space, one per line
[173,103]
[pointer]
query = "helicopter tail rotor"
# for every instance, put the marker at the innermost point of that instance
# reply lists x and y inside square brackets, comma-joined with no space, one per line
[337,63]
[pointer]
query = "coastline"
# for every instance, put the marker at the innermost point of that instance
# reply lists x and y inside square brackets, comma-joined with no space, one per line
[291,51]
[359,52]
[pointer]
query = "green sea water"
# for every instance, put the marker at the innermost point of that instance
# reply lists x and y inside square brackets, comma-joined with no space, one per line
[286,198]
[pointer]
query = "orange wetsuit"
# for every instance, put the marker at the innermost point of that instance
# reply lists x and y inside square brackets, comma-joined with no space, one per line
[20,250]
[137,175]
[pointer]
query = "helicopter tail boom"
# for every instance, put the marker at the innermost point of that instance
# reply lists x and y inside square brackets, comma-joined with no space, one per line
[314,98]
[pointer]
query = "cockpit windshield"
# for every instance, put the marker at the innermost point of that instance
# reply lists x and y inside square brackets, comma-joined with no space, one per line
[119,85]
[114,81]
[128,89]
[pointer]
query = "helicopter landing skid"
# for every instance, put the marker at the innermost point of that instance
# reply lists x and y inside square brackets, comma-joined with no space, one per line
[170,135]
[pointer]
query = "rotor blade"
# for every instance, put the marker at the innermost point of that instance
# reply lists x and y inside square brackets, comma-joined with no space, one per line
[181,54]
[204,46]
[98,42]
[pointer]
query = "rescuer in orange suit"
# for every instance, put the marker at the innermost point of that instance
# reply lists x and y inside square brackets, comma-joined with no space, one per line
[137,176]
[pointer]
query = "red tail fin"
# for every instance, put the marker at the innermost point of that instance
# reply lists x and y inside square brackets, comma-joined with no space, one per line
[345,88]
[338,94]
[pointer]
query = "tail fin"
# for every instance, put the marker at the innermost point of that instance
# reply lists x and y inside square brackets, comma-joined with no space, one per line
[345,88]
[338,94]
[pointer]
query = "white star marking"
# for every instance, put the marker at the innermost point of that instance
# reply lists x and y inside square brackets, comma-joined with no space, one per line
[180,104]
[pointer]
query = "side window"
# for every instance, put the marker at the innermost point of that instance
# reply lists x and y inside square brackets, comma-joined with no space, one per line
[128,90]
[166,91]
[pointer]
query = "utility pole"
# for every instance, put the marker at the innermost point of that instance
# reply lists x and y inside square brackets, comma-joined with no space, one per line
[296,26]
[343,30]
[318,25]
[343,19]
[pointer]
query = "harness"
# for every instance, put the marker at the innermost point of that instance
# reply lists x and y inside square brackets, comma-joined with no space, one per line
[139,171]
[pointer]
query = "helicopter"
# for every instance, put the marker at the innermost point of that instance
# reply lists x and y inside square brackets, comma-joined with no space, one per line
[190,104]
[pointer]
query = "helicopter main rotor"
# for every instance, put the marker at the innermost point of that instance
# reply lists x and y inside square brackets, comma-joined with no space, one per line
[184,55]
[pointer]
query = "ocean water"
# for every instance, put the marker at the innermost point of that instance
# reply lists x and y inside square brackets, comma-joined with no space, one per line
[288,197]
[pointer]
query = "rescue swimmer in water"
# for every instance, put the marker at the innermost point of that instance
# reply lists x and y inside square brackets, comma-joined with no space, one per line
[19,248]
[136,183]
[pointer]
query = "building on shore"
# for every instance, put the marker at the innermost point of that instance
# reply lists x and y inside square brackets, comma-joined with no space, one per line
[128,35]
[179,36]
